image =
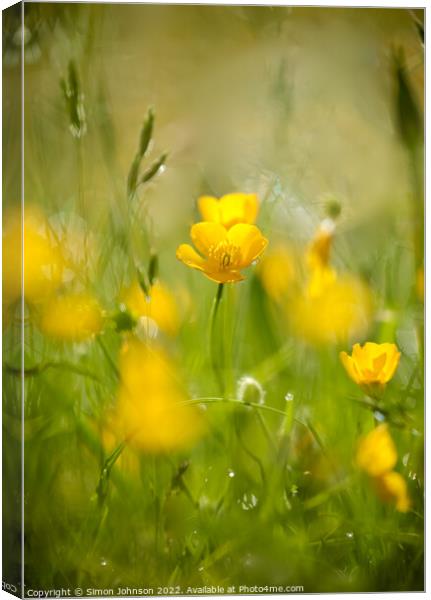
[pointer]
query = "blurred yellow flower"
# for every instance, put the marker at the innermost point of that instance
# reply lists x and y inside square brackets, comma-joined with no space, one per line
[318,253]
[152,410]
[392,487]
[321,281]
[376,453]
[371,366]
[71,317]
[159,305]
[330,309]
[277,272]
[224,253]
[377,456]
[42,259]
[229,210]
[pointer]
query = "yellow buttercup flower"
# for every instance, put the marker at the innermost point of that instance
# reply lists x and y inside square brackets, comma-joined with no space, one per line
[392,487]
[71,317]
[371,366]
[318,253]
[159,305]
[277,272]
[330,309]
[42,258]
[152,411]
[230,209]
[224,253]
[376,453]
[377,456]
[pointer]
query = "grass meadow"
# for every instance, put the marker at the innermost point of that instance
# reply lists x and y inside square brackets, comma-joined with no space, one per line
[222,309]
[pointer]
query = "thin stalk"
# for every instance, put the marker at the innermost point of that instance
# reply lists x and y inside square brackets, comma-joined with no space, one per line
[214,348]
[109,358]
[251,454]
[218,400]
[265,429]
[102,486]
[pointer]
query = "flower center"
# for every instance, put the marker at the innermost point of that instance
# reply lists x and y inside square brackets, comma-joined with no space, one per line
[225,256]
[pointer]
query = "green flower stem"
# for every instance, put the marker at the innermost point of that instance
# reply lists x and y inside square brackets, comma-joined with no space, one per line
[109,358]
[102,486]
[215,349]
[265,429]
[63,365]
[218,400]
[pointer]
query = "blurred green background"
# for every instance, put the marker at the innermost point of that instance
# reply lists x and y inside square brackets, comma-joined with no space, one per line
[301,106]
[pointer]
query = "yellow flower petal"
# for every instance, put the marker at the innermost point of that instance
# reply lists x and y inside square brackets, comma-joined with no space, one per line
[189,256]
[393,358]
[277,272]
[160,305]
[42,259]
[339,311]
[238,208]
[206,235]
[250,240]
[376,452]
[209,209]
[71,317]
[152,408]
[224,276]
[349,365]
[375,364]
[392,487]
